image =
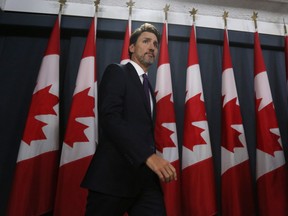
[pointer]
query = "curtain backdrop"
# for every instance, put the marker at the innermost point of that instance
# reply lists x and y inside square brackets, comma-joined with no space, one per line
[24,37]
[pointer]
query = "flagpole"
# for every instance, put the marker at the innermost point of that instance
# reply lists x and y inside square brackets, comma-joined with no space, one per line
[254,18]
[125,57]
[193,13]
[224,16]
[96,4]
[166,9]
[130,4]
[197,177]
[62,3]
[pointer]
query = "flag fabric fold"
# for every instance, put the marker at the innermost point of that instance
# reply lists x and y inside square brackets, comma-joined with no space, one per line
[35,177]
[81,134]
[236,181]
[198,181]
[125,53]
[271,170]
[165,126]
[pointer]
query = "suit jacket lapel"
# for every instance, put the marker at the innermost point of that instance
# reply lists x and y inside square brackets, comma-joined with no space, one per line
[134,76]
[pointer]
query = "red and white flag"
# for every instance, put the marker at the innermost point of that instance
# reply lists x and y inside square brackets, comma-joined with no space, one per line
[35,178]
[165,128]
[236,180]
[125,53]
[270,164]
[81,135]
[198,181]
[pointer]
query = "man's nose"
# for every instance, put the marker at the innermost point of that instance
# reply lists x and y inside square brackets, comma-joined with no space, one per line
[151,47]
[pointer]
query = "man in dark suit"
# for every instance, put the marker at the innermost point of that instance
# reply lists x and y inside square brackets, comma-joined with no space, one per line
[124,173]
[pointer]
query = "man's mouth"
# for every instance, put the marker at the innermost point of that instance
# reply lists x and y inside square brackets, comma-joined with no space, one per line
[150,55]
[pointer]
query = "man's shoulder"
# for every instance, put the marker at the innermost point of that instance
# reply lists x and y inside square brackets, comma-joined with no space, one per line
[117,71]
[113,65]
[117,66]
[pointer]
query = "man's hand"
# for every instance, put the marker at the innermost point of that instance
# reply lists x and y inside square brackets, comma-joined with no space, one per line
[165,171]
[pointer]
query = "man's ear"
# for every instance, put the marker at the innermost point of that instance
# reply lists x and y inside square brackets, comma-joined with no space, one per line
[131,48]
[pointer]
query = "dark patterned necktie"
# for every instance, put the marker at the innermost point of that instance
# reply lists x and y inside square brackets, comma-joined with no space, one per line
[146,90]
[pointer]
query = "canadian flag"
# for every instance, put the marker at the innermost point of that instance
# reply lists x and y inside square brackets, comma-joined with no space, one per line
[236,180]
[81,135]
[35,178]
[125,53]
[271,166]
[165,127]
[198,181]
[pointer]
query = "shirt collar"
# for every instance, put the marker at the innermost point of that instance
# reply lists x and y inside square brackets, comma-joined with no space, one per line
[137,67]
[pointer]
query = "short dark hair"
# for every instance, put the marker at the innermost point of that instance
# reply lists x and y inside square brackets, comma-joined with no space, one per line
[146,27]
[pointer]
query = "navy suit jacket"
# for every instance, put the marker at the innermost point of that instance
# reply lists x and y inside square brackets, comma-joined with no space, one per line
[126,136]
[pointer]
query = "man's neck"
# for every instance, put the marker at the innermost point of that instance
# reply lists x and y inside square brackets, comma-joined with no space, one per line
[145,69]
[139,66]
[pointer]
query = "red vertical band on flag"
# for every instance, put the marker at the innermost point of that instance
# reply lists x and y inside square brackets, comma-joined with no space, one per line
[165,127]
[198,182]
[164,54]
[260,66]
[89,49]
[227,63]
[125,49]
[34,183]
[271,165]
[80,137]
[236,182]
[192,54]
[54,42]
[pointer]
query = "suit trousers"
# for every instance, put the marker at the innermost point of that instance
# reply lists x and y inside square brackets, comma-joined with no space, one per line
[149,202]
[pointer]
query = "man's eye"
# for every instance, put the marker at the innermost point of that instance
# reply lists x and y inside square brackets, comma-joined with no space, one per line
[145,41]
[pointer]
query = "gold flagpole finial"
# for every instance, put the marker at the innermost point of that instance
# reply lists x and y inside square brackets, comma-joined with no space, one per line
[130,4]
[285,28]
[225,15]
[62,3]
[96,3]
[254,18]
[166,9]
[193,13]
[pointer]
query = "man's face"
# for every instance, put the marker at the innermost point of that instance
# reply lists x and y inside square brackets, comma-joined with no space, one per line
[145,50]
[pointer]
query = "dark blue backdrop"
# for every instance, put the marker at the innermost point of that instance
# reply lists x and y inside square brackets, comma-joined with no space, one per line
[23,40]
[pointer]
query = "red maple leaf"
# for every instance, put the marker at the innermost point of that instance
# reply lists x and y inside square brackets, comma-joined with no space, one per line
[82,106]
[266,120]
[194,112]
[165,114]
[231,115]
[42,104]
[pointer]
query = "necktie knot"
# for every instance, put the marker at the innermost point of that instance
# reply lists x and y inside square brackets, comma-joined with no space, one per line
[145,77]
